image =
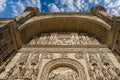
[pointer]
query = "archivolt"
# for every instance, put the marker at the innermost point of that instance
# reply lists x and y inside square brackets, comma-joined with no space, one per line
[94,26]
[63,62]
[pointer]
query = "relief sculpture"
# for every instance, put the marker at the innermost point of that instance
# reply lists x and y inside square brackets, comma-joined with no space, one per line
[63,73]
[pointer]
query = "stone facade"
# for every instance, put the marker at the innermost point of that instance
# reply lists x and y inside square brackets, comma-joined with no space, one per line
[60,46]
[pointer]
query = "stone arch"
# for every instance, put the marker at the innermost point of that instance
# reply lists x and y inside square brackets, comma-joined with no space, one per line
[94,26]
[63,62]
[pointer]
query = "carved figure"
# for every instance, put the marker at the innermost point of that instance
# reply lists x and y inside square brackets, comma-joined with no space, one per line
[34,59]
[23,59]
[63,73]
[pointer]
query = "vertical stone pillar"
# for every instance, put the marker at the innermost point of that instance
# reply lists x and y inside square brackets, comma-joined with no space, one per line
[112,34]
[113,40]
[8,43]
[21,19]
[12,30]
[116,35]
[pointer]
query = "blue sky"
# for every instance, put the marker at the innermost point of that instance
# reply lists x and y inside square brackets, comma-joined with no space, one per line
[11,8]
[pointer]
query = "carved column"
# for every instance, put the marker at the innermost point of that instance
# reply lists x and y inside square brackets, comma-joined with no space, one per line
[114,37]
[29,12]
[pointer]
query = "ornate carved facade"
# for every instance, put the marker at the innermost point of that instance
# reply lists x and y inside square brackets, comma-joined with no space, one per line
[60,46]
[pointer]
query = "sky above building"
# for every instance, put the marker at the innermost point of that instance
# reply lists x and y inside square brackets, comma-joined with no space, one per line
[11,8]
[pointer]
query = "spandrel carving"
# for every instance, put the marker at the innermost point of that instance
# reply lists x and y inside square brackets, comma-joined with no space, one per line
[79,55]
[48,55]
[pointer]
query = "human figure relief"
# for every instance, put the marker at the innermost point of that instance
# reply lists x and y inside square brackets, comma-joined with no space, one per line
[93,60]
[63,73]
[34,58]
[64,39]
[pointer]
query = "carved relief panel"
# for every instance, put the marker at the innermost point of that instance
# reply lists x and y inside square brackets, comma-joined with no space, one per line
[64,38]
[63,73]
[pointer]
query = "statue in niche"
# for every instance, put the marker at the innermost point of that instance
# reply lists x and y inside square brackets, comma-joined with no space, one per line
[48,56]
[105,60]
[92,60]
[63,73]
[23,58]
[34,58]
[79,55]
[97,72]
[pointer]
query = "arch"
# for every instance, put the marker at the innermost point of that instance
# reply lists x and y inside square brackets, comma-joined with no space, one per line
[94,26]
[63,62]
